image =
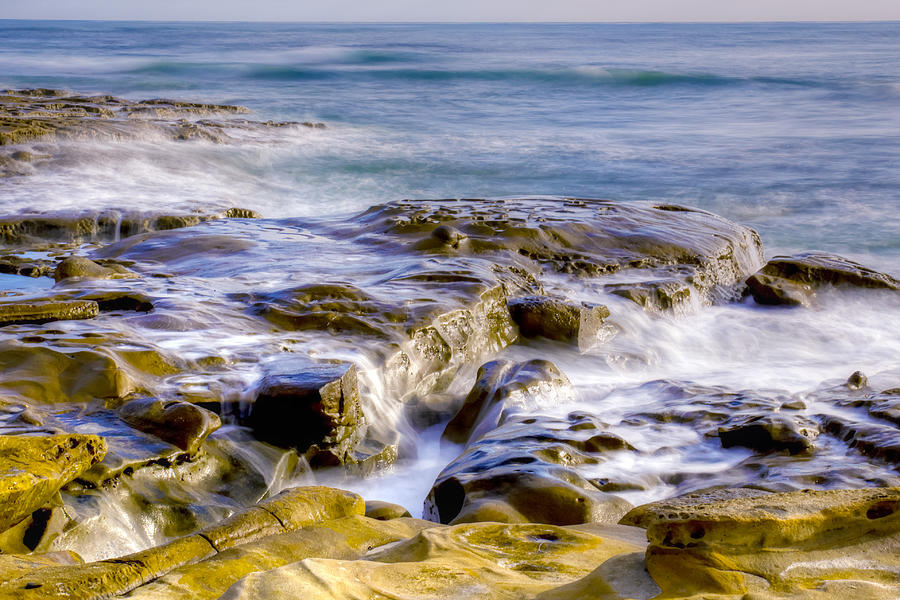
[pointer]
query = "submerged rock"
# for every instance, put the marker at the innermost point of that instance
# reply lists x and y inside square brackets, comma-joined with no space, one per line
[79,266]
[502,386]
[517,468]
[180,423]
[16,313]
[768,432]
[34,468]
[793,280]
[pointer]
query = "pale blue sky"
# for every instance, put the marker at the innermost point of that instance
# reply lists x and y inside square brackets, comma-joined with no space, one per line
[457,10]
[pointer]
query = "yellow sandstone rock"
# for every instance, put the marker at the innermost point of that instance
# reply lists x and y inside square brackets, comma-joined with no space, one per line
[108,578]
[33,468]
[806,544]
[473,561]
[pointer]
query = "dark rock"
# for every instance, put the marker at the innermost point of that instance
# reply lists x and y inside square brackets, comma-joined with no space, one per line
[558,320]
[180,423]
[45,312]
[793,280]
[314,409]
[857,381]
[872,439]
[768,433]
[119,301]
[500,382]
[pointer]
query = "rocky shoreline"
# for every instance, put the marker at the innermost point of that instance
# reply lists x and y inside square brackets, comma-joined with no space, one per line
[166,376]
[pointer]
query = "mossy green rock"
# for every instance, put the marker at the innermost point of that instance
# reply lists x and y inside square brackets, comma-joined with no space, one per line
[15,313]
[33,468]
[79,266]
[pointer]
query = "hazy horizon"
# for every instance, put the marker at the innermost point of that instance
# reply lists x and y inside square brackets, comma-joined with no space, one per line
[462,11]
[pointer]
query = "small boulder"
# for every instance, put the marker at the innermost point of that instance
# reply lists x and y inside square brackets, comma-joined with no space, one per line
[385,511]
[793,280]
[558,320]
[180,423]
[768,433]
[315,408]
[79,266]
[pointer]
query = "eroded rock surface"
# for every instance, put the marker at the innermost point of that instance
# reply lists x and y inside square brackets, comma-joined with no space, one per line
[793,280]
[34,468]
[26,115]
[784,545]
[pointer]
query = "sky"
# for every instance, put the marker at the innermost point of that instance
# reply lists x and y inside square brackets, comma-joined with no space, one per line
[456,10]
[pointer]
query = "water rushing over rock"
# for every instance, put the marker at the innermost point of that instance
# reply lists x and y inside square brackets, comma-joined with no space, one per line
[557,362]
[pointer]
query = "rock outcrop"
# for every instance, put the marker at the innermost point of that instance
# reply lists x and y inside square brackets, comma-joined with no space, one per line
[793,280]
[746,543]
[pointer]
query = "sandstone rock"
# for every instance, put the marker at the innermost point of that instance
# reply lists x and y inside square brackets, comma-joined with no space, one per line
[767,433]
[503,385]
[385,511]
[342,538]
[558,320]
[41,375]
[15,313]
[316,408]
[26,115]
[32,469]
[92,581]
[793,280]
[79,266]
[479,561]
[180,423]
[773,544]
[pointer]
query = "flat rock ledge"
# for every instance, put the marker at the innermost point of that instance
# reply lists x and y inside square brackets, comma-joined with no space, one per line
[316,542]
[30,114]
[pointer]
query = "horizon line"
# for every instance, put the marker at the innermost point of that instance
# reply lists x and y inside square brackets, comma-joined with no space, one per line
[469,22]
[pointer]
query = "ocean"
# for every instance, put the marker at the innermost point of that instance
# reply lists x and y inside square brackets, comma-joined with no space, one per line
[793,129]
[790,129]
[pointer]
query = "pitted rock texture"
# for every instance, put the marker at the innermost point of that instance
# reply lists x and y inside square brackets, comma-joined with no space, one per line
[33,468]
[784,545]
[35,113]
[793,280]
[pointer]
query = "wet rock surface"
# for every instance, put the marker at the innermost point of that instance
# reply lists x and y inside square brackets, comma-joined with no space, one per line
[27,115]
[793,280]
[33,469]
[735,543]
[228,356]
